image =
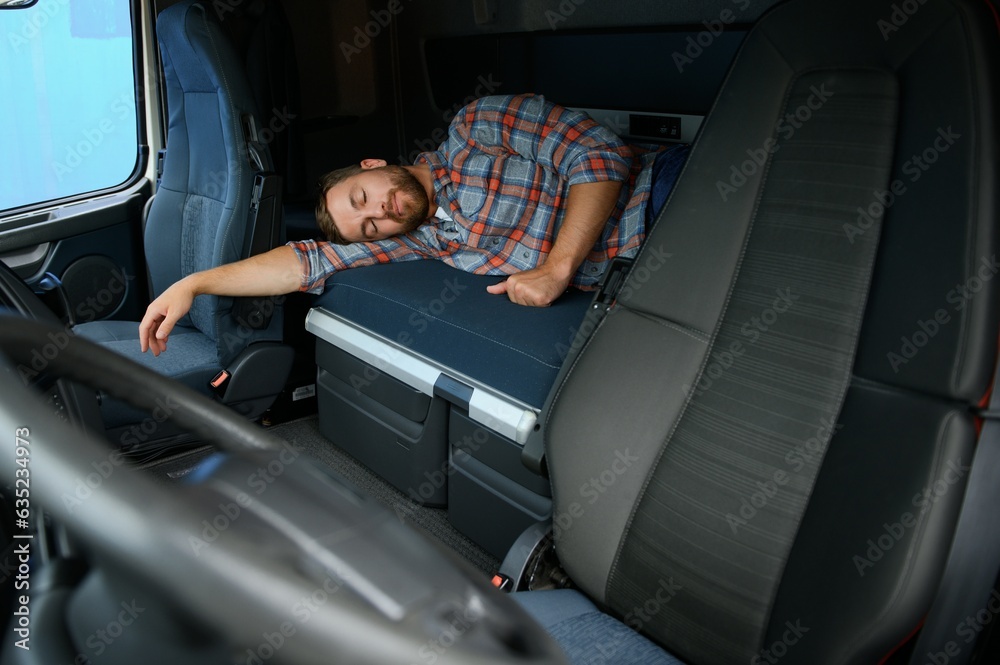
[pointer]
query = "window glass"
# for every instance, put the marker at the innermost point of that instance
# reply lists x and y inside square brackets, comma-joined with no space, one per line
[67,100]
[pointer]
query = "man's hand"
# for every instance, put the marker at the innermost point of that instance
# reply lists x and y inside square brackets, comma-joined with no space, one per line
[588,207]
[161,316]
[535,288]
[272,273]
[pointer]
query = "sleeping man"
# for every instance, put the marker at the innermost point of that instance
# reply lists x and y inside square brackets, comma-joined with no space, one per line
[521,188]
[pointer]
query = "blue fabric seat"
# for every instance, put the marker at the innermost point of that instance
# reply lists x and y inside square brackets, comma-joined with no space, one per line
[199,217]
[193,360]
[588,635]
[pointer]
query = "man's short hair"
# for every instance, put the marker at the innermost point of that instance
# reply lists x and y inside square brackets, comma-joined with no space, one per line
[323,218]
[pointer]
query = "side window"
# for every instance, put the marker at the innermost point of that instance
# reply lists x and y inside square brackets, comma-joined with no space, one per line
[67,100]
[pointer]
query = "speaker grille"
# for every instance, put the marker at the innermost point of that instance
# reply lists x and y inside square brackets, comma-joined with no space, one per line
[95,288]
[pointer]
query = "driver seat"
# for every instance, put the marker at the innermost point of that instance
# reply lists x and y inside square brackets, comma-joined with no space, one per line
[761,451]
[217,202]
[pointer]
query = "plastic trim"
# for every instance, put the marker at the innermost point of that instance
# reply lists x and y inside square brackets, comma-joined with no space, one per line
[499,412]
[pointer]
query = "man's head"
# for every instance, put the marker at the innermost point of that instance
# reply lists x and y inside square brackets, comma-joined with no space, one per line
[369,201]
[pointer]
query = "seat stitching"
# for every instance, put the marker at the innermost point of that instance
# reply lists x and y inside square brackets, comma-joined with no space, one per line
[237,133]
[693,333]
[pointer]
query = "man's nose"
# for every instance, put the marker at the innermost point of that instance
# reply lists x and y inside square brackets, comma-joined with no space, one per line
[378,209]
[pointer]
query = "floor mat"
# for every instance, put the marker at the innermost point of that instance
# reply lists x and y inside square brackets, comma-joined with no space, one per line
[304,434]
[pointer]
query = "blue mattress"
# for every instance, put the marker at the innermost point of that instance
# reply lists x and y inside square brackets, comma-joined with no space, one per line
[447,315]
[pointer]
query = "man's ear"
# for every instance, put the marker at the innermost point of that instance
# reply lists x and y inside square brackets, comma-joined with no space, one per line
[370,163]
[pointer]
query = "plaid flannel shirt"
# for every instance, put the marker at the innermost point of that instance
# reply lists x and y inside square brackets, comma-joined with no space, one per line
[503,175]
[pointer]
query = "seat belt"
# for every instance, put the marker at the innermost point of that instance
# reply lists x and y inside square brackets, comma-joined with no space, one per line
[264,226]
[966,601]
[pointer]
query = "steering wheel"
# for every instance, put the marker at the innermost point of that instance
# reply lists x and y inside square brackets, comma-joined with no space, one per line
[262,557]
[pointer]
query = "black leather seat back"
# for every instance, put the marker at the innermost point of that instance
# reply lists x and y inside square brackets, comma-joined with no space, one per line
[787,403]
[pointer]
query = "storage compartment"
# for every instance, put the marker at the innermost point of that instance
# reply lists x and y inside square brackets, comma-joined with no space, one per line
[492,496]
[396,431]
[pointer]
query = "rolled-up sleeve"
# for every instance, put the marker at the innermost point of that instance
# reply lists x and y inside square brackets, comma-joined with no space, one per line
[320,259]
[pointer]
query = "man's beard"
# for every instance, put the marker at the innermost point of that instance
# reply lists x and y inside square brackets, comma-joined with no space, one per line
[413,201]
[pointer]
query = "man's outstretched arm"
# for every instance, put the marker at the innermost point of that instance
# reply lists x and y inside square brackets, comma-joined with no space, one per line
[272,273]
[588,207]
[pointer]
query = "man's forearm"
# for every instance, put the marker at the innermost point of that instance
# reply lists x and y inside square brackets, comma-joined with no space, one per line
[588,207]
[268,274]
[272,273]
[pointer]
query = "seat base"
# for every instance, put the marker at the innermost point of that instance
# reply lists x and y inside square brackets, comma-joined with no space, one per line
[257,374]
[191,359]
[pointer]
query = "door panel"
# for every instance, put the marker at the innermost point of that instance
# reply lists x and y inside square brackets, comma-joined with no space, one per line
[93,248]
